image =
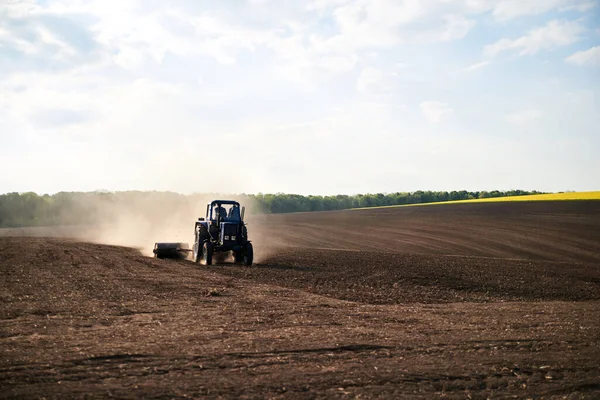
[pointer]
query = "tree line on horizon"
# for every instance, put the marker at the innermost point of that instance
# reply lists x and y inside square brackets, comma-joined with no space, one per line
[31,209]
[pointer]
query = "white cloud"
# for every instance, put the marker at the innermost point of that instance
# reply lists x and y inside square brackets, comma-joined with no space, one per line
[358,28]
[434,111]
[523,118]
[375,81]
[33,38]
[477,66]
[580,6]
[590,57]
[455,27]
[369,80]
[385,23]
[502,10]
[509,9]
[324,4]
[554,34]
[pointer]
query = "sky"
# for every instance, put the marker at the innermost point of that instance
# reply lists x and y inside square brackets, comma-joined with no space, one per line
[309,97]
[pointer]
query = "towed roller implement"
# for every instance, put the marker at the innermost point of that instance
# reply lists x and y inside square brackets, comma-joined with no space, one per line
[171,250]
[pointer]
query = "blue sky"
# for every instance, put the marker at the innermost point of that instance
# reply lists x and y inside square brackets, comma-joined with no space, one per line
[311,97]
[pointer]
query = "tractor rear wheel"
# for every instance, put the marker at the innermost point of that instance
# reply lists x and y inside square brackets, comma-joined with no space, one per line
[207,253]
[248,255]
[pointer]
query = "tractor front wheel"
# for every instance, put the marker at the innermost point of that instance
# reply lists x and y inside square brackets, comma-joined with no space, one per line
[207,253]
[248,255]
[197,254]
[238,257]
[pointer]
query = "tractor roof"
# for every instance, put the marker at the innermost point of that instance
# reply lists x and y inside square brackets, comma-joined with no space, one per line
[224,202]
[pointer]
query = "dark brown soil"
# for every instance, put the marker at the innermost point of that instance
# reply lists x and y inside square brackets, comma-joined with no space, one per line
[382,278]
[486,300]
[557,231]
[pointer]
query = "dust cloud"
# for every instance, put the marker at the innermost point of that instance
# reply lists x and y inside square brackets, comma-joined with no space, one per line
[140,221]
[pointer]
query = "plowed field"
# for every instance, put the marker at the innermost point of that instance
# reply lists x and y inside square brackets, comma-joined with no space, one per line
[479,300]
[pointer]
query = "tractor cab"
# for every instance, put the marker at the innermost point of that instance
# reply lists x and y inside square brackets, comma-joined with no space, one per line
[224,221]
[224,211]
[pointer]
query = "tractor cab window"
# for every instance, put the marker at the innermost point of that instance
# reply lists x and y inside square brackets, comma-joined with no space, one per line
[234,213]
[226,212]
[219,212]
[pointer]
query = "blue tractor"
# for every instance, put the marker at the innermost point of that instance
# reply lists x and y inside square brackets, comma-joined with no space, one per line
[220,233]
